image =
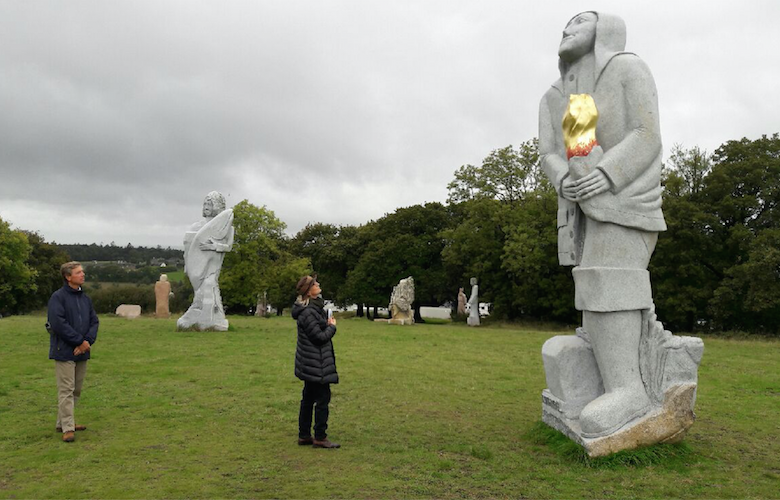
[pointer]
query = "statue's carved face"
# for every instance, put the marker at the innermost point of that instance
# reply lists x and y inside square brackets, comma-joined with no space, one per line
[208,208]
[213,205]
[579,37]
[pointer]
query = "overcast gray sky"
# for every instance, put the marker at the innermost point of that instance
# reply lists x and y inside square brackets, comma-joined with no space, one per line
[117,117]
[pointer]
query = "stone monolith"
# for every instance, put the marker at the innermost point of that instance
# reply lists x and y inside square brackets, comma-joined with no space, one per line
[162,295]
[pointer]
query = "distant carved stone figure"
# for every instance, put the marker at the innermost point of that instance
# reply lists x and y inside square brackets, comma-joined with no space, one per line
[473,319]
[621,381]
[162,295]
[401,302]
[461,301]
[205,245]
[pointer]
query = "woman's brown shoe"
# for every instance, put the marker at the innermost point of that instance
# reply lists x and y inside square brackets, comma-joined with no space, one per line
[69,436]
[305,441]
[325,444]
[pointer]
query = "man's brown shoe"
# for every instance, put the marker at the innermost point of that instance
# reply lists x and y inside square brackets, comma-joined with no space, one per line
[325,444]
[69,436]
[305,441]
[78,428]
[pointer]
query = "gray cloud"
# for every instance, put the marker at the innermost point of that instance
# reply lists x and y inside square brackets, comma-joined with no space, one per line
[118,117]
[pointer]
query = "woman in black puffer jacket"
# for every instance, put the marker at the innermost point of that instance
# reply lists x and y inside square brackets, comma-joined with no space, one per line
[315,362]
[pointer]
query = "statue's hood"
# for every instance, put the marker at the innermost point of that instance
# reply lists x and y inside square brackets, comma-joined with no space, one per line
[610,42]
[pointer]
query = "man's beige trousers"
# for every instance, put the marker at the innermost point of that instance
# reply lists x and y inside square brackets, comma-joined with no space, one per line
[70,378]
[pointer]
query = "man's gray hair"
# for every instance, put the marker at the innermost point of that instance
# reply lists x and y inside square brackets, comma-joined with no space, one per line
[67,268]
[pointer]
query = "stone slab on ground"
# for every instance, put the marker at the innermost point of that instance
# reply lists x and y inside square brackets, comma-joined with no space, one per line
[129,311]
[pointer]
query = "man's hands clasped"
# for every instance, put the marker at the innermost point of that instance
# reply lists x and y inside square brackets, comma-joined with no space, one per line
[84,347]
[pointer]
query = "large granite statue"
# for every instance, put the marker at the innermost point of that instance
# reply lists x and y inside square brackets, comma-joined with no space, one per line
[401,303]
[473,319]
[621,381]
[461,301]
[205,245]
[162,295]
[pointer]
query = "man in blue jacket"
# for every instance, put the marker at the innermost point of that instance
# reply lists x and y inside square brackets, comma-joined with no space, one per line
[73,326]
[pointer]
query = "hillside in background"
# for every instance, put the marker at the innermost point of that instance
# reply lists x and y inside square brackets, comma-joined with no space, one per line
[130,254]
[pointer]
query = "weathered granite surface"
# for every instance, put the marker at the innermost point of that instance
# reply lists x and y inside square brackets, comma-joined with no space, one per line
[473,319]
[129,311]
[162,294]
[622,381]
[205,245]
[401,303]
[668,368]
[461,301]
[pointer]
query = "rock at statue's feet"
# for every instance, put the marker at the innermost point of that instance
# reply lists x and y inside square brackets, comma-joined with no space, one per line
[609,412]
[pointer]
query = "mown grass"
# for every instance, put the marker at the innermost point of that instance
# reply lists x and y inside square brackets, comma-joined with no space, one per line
[434,410]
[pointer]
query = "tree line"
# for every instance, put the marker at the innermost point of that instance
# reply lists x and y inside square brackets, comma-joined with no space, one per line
[716,268]
[111,252]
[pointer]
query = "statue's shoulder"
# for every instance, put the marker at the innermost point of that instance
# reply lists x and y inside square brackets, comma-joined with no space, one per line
[555,90]
[627,64]
[197,225]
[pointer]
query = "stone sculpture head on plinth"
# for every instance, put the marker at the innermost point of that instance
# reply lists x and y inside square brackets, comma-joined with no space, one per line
[473,319]
[205,245]
[461,301]
[401,301]
[162,294]
[621,381]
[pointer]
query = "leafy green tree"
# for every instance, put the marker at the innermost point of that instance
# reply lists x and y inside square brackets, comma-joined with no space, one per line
[682,269]
[505,175]
[281,282]
[16,276]
[251,267]
[540,287]
[474,248]
[506,236]
[333,251]
[405,243]
[749,296]
[717,208]
[744,186]
[743,193]
[44,260]
[691,166]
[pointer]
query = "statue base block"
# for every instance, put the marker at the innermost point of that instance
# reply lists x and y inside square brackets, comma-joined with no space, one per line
[197,320]
[667,424]
[401,321]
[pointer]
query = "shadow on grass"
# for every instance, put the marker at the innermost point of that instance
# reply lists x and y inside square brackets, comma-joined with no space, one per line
[669,455]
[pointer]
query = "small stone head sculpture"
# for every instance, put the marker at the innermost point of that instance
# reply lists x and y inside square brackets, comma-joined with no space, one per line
[214,204]
[163,277]
[473,281]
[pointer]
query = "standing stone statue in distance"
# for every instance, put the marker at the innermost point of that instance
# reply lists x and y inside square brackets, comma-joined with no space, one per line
[162,295]
[205,245]
[401,301]
[473,319]
[461,301]
[622,381]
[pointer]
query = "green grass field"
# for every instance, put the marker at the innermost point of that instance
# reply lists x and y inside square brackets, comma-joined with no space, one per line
[438,410]
[175,276]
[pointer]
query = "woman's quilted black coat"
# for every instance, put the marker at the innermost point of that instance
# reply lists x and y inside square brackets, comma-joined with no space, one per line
[315,360]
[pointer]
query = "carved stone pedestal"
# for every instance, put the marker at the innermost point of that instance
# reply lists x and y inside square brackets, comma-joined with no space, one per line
[668,366]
